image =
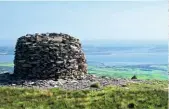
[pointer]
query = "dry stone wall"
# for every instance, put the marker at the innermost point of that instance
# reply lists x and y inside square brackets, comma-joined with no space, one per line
[49,55]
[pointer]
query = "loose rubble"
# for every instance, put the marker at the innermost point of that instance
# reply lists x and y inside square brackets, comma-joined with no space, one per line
[66,84]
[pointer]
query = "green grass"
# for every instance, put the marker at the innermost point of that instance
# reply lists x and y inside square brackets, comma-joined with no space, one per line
[139,95]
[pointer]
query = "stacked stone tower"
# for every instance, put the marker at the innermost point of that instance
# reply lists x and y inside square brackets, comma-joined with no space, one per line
[49,56]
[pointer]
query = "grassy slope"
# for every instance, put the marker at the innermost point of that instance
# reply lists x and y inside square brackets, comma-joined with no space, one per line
[142,96]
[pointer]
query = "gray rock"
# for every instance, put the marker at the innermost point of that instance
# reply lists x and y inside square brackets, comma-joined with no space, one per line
[61,81]
[13,84]
[74,81]
[31,83]
[59,62]
[56,86]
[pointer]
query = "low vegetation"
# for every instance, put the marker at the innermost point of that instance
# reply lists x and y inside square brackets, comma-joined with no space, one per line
[152,95]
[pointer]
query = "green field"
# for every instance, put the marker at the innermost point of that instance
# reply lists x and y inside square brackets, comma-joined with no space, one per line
[133,96]
[159,72]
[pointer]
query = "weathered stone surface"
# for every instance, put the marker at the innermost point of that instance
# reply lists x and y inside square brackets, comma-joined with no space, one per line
[50,55]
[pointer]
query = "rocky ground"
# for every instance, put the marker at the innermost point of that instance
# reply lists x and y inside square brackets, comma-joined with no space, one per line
[89,81]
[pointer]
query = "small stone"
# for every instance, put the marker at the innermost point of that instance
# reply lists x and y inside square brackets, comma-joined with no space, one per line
[26,65]
[52,83]
[60,83]
[74,48]
[21,61]
[13,84]
[31,83]
[59,62]
[55,86]
[74,81]
[94,76]
[56,39]
[72,60]
[28,43]
[52,61]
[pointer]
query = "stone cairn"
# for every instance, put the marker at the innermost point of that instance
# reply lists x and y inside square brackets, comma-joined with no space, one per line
[49,56]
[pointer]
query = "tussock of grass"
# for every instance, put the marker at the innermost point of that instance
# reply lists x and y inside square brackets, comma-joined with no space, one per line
[135,96]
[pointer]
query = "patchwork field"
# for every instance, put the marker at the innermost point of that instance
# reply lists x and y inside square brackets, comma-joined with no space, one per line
[158,72]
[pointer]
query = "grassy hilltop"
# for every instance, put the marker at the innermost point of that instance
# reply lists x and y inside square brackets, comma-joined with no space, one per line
[133,96]
[150,95]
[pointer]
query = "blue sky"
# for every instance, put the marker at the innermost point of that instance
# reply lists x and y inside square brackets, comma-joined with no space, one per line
[86,20]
